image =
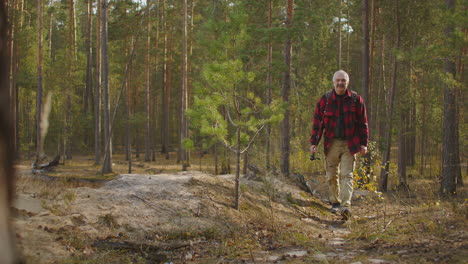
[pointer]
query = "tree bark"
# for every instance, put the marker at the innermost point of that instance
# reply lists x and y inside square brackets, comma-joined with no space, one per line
[461,76]
[403,150]
[89,58]
[450,153]
[147,81]
[285,91]
[268,92]
[7,243]
[184,97]
[107,166]
[365,55]
[165,101]
[339,34]
[383,184]
[13,75]
[128,127]
[372,91]
[39,80]
[238,154]
[69,90]
[97,93]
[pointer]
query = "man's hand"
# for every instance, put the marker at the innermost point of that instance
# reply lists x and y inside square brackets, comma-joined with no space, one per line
[363,150]
[313,149]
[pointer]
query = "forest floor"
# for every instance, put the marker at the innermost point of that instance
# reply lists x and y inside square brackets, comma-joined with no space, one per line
[159,215]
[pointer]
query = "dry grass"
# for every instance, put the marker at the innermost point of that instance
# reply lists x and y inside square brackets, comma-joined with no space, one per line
[415,227]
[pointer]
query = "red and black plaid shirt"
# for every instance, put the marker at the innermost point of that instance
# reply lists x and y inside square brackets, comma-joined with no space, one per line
[355,121]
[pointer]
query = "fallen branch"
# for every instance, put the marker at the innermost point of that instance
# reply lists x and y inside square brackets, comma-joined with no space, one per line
[39,168]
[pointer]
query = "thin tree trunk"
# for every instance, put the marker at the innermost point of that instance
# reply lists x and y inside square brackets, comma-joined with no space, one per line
[268,93]
[169,90]
[424,142]
[365,55]
[339,34]
[73,24]
[237,180]
[128,127]
[402,150]
[372,91]
[165,103]
[215,155]
[97,94]
[348,38]
[51,20]
[12,72]
[39,80]
[450,152]
[184,97]
[382,95]
[107,166]
[285,91]
[460,71]
[69,90]
[155,99]
[147,90]
[89,57]
[411,139]
[383,184]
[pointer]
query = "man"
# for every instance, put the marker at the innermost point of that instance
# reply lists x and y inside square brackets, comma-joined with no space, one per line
[342,114]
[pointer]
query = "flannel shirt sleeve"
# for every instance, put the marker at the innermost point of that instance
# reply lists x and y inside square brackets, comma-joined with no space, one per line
[317,124]
[363,126]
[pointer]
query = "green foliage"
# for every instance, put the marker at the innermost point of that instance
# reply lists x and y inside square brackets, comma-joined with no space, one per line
[220,106]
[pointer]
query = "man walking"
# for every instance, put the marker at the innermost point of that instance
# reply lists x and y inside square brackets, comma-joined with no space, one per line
[342,114]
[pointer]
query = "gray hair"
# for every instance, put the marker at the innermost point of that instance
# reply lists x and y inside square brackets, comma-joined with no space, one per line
[341,72]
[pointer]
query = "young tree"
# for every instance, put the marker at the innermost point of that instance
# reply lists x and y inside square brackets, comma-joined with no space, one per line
[245,113]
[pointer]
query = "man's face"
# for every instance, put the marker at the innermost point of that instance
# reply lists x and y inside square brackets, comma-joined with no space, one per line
[340,84]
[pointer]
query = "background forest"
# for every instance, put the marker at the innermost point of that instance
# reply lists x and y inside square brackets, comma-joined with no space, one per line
[248,73]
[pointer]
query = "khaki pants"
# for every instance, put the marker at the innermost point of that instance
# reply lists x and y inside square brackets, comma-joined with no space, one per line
[339,166]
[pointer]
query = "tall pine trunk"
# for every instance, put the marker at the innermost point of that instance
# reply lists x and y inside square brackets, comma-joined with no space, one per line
[147,83]
[184,97]
[365,54]
[383,184]
[107,166]
[97,92]
[69,90]
[39,79]
[89,58]
[238,154]
[450,152]
[285,91]
[13,71]
[165,100]
[340,31]
[372,91]
[128,114]
[268,92]
[403,147]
